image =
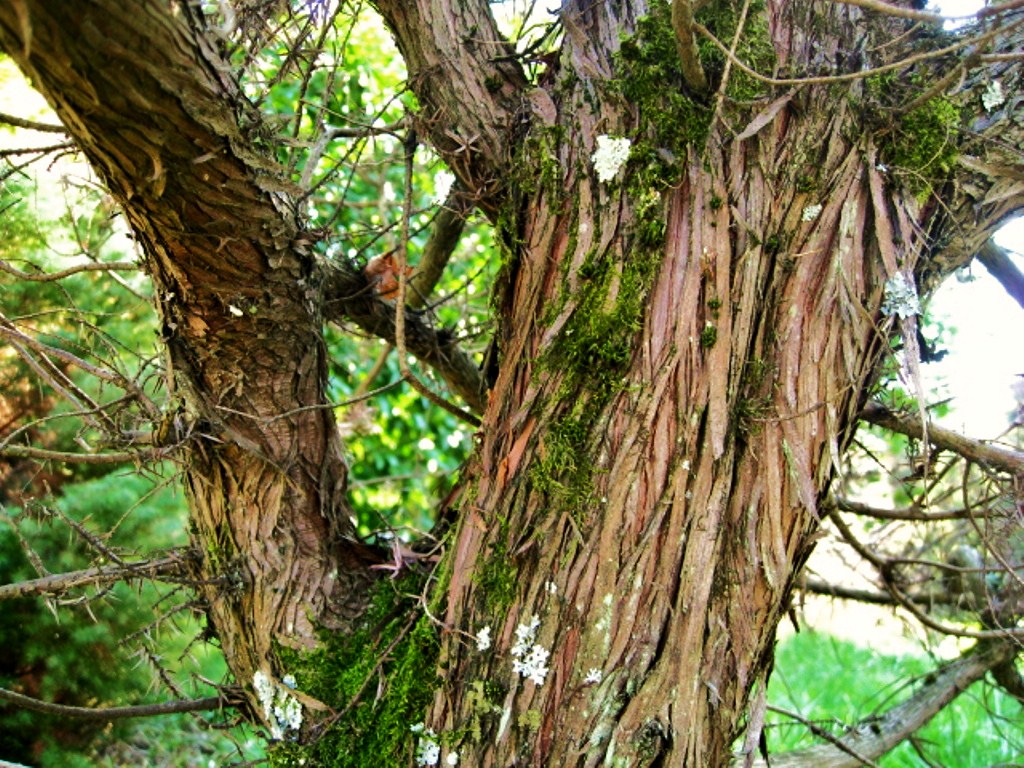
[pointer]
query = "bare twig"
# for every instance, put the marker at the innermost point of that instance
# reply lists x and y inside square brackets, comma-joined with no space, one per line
[902,64]
[36,150]
[61,582]
[106,714]
[46,277]
[44,454]
[401,260]
[444,237]
[349,294]
[8,330]
[32,125]
[1002,459]
[893,10]
[821,733]
[885,566]
[915,514]
[740,23]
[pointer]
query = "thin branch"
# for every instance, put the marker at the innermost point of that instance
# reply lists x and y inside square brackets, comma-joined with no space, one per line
[874,737]
[999,264]
[46,277]
[61,582]
[827,589]
[1006,5]
[36,150]
[8,329]
[1002,459]
[32,125]
[821,733]
[106,714]
[401,259]
[903,13]
[740,24]
[884,566]
[444,237]
[686,44]
[348,293]
[915,514]
[903,63]
[43,454]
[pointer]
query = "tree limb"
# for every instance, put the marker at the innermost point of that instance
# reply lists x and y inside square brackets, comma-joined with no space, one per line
[444,237]
[118,457]
[1001,459]
[349,294]
[61,582]
[106,714]
[46,277]
[686,45]
[31,125]
[826,589]
[467,83]
[999,264]
[893,10]
[915,514]
[873,738]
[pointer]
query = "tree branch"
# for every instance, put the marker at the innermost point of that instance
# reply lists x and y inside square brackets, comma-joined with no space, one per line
[46,277]
[120,457]
[1001,459]
[106,714]
[999,264]
[61,582]
[873,738]
[893,10]
[31,125]
[915,514]
[686,45]
[468,82]
[349,294]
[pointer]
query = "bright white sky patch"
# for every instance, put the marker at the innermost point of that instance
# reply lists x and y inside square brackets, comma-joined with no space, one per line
[986,353]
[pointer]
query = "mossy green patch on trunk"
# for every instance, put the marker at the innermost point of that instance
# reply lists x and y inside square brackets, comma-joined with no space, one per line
[378,681]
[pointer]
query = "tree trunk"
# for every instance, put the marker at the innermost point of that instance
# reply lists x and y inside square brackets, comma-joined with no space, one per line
[684,341]
[685,351]
[237,292]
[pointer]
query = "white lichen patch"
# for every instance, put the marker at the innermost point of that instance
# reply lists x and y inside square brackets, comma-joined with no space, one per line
[530,659]
[811,212]
[900,297]
[282,711]
[609,157]
[483,639]
[993,96]
[428,750]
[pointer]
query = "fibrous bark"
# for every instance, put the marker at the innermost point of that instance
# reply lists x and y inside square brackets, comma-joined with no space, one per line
[683,348]
[239,300]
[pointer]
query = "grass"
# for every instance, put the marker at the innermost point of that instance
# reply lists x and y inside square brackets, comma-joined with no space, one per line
[834,682]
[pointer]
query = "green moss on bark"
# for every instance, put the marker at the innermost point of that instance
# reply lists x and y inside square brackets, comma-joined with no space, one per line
[379,679]
[920,146]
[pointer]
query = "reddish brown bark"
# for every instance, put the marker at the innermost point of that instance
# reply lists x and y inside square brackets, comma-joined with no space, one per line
[649,494]
[670,570]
